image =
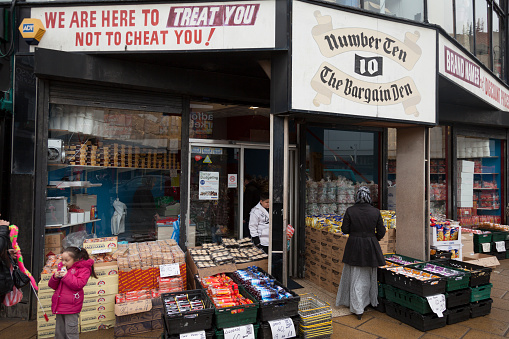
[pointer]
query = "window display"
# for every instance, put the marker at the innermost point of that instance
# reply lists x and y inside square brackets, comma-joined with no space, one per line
[479,180]
[117,170]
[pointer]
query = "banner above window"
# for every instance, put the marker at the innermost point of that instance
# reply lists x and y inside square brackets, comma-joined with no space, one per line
[159,27]
[362,66]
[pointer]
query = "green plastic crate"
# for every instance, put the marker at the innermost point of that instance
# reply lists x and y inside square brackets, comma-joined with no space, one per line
[481,292]
[458,281]
[482,238]
[478,248]
[388,257]
[220,333]
[507,254]
[499,236]
[237,315]
[407,299]
[381,290]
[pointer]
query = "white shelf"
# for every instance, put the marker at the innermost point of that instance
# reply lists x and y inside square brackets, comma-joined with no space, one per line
[106,167]
[73,184]
[70,225]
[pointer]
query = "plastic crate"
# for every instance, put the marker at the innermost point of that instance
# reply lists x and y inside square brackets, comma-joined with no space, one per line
[480,308]
[276,309]
[480,292]
[407,299]
[381,290]
[394,258]
[456,280]
[189,321]
[441,255]
[458,314]
[499,236]
[422,322]
[423,288]
[266,333]
[380,271]
[482,238]
[237,315]
[479,275]
[220,333]
[506,253]
[381,305]
[458,298]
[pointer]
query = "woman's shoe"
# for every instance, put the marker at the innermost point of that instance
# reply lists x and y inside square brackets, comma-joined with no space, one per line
[359,316]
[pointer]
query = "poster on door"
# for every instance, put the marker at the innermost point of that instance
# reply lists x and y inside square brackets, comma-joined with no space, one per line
[208,188]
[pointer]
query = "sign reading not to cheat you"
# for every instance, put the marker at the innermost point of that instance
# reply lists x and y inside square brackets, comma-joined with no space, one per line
[169,26]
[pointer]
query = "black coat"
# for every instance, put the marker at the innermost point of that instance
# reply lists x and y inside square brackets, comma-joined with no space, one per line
[6,283]
[251,198]
[365,227]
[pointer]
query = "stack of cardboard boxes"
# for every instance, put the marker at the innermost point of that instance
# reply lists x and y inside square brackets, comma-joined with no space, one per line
[465,184]
[99,304]
[324,255]
[45,329]
[53,243]
[388,243]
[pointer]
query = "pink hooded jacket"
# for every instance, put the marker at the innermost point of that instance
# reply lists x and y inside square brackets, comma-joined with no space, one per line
[68,296]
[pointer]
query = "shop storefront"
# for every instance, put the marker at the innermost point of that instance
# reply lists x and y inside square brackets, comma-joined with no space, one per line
[175,108]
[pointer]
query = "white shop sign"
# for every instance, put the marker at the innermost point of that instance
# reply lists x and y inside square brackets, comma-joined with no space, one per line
[463,71]
[159,27]
[357,65]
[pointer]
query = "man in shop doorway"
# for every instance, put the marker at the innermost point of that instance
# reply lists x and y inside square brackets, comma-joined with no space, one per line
[251,198]
[259,222]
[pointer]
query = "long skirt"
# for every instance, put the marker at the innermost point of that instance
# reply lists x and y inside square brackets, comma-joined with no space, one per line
[358,288]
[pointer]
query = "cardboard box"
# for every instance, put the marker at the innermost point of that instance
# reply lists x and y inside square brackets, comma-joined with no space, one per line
[98,308]
[325,248]
[324,281]
[100,325]
[337,264]
[316,234]
[325,236]
[96,291]
[42,325]
[54,250]
[136,279]
[134,307]
[102,299]
[315,245]
[325,259]
[314,278]
[53,239]
[339,240]
[49,333]
[104,280]
[207,272]
[157,324]
[465,166]
[335,275]
[101,245]
[263,264]
[92,318]
[105,268]
[127,329]
[467,240]
[481,259]
[313,255]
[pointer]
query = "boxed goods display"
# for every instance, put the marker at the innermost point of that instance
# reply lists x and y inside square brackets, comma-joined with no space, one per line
[138,316]
[455,279]
[187,311]
[415,281]
[234,306]
[479,275]
[275,300]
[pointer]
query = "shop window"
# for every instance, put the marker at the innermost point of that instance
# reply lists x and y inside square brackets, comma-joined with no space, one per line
[412,10]
[440,12]
[465,24]
[498,45]
[337,163]
[106,163]
[482,33]
[438,172]
[229,122]
[480,180]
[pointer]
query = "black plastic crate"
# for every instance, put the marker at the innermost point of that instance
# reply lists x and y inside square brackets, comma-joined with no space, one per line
[276,309]
[189,321]
[423,288]
[458,314]
[381,305]
[441,255]
[480,308]
[458,298]
[499,255]
[422,322]
[264,332]
[209,334]
[456,280]
[479,275]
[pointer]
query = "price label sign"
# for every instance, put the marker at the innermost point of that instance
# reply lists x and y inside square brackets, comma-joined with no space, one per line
[500,245]
[282,328]
[437,304]
[169,270]
[239,332]
[486,247]
[193,335]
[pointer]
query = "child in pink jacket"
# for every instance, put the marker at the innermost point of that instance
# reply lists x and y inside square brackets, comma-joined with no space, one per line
[68,283]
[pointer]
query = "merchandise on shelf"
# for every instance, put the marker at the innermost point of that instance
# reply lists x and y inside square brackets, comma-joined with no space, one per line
[212,255]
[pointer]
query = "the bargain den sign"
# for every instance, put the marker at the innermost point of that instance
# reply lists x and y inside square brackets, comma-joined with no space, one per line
[364,66]
[191,26]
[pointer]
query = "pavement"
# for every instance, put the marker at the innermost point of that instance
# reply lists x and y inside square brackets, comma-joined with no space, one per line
[372,326]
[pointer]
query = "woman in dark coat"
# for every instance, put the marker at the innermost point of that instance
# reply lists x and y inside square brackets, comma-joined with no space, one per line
[358,286]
